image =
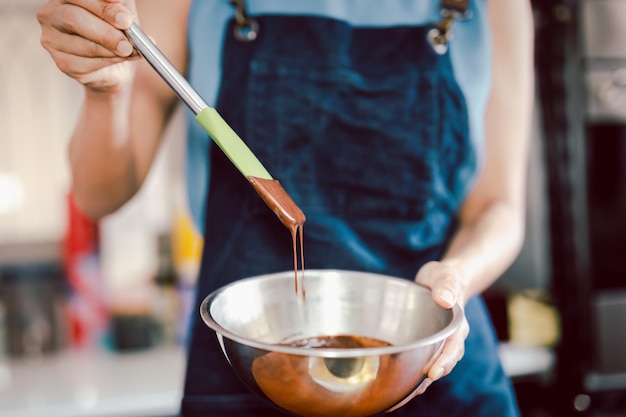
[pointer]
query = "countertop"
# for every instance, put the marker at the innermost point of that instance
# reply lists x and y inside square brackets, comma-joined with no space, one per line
[93,383]
[147,383]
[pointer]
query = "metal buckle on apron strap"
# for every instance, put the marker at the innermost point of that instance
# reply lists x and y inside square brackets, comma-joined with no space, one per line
[441,34]
[246,28]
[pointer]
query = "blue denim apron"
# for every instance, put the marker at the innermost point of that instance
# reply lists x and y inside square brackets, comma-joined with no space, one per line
[367,131]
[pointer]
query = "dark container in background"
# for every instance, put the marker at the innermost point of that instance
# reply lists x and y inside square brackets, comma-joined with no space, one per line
[32,295]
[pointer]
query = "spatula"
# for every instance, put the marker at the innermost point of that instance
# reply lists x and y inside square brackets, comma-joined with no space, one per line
[222,134]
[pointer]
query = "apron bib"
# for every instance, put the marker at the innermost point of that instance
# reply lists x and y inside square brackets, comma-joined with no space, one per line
[367,131]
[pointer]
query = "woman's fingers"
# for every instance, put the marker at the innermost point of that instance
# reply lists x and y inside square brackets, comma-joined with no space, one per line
[442,364]
[76,30]
[445,282]
[90,71]
[75,45]
[451,353]
[118,13]
[85,39]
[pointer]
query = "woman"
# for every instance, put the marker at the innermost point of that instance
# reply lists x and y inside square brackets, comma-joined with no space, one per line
[406,149]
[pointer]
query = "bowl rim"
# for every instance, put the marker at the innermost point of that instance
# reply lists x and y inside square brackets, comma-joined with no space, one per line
[205,312]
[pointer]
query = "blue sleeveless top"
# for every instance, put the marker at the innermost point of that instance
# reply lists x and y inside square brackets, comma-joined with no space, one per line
[470,52]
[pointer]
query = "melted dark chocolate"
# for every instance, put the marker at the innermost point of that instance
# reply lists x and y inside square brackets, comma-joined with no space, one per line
[338,342]
[290,215]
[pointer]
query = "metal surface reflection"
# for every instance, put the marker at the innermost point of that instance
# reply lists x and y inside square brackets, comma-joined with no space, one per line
[261,322]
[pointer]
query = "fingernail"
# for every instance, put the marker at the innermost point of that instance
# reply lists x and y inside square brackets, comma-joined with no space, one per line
[447,296]
[124,48]
[123,20]
[438,374]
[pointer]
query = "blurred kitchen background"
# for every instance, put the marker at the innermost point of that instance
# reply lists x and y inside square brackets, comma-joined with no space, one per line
[93,317]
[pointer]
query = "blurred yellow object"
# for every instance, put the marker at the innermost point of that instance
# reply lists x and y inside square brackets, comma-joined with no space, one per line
[533,320]
[187,245]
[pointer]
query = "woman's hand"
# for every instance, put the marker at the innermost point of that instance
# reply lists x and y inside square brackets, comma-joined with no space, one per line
[445,282]
[85,40]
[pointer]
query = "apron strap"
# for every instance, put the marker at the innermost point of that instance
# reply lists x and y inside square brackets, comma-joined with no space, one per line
[247,28]
[441,34]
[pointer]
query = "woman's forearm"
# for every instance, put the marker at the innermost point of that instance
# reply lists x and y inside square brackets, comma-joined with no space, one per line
[101,154]
[493,216]
[483,249]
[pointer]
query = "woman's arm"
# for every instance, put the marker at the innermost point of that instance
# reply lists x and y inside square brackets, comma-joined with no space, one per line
[491,220]
[126,105]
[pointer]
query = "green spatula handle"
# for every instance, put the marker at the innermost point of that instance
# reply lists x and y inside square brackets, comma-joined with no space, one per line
[221,133]
[231,144]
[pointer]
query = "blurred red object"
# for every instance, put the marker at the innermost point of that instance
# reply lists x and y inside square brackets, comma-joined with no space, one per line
[87,309]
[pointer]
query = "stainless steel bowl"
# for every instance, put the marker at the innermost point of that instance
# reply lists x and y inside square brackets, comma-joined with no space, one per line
[256,319]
